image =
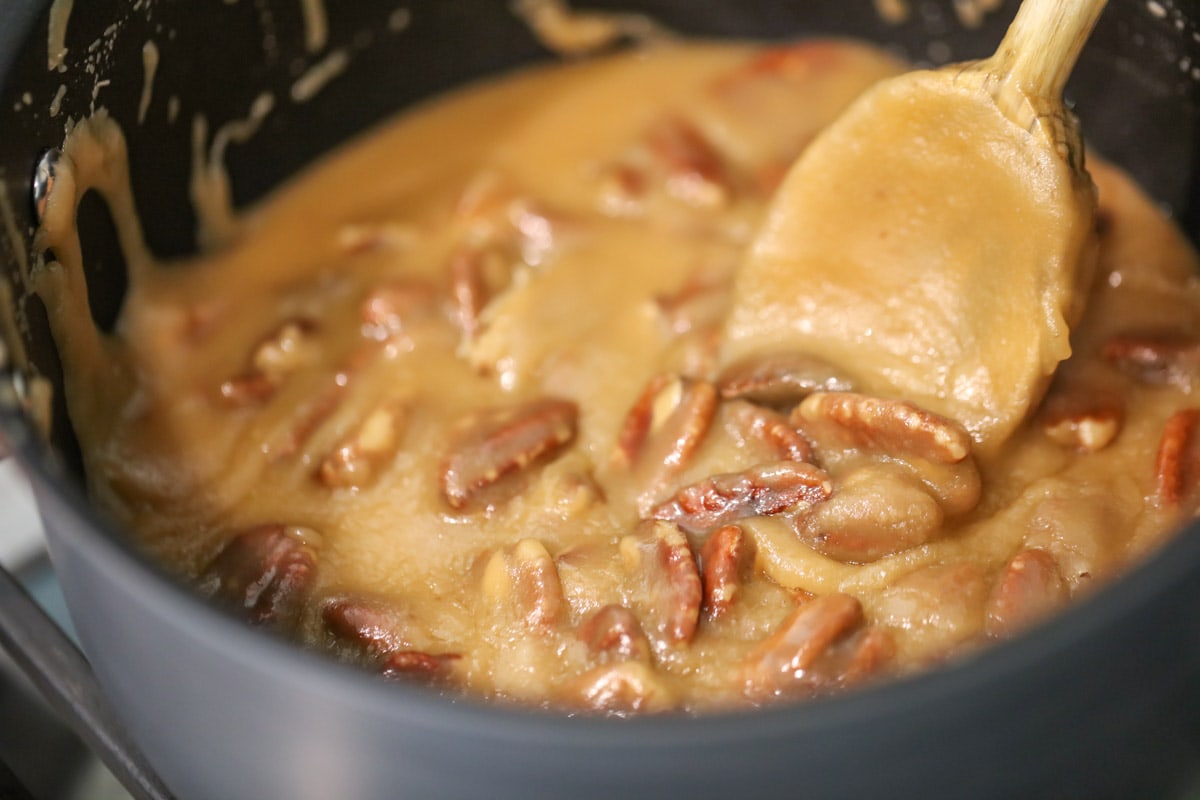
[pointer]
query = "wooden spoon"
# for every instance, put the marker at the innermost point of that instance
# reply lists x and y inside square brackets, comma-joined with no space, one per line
[936,240]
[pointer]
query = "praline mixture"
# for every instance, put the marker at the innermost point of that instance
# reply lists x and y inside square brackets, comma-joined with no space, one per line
[455,405]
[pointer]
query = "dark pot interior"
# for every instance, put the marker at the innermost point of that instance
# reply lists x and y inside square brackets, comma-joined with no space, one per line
[1136,89]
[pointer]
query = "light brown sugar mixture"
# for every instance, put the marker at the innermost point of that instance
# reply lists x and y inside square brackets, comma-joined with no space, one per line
[456,405]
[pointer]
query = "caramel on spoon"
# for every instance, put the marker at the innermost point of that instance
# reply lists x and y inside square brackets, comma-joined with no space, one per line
[935,241]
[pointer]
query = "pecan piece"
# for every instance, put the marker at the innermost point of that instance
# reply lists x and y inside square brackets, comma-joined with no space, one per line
[850,660]
[265,573]
[770,428]
[1167,357]
[524,578]
[248,388]
[622,687]
[694,354]
[791,62]
[613,633]
[891,427]
[722,557]
[660,556]
[1084,409]
[358,240]
[780,379]
[623,188]
[871,649]
[392,308]
[939,608]
[414,664]
[355,461]
[695,171]
[851,428]
[309,417]
[492,444]
[1029,588]
[782,661]
[468,288]
[760,491]
[661,434]
[876,510]
[1177,463]
[538,229]
[313,413]
[700,303]
[1083,430]
[483,197]
[276,355]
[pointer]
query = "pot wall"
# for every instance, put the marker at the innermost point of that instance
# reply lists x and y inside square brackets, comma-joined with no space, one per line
[1101,703]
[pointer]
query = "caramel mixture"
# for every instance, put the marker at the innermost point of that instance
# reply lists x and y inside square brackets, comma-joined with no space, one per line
[457,405]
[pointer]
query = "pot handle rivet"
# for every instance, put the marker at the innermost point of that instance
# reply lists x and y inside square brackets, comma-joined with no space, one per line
[43,179]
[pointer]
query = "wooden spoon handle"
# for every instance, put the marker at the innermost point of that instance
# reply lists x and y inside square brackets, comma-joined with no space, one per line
[1043,43]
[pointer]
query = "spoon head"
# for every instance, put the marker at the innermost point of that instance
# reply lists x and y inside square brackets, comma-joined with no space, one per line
[931,247]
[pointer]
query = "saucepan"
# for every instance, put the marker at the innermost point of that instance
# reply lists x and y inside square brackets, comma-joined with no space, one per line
[1103,700]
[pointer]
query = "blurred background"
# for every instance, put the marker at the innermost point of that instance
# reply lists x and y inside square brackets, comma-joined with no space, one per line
[39,756]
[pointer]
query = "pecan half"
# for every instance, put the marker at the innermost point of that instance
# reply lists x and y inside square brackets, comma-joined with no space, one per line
[876,510]
[958,488]
[490,445]
[1177,463]
[722,557]
[891,427]
[355,461]
[661,434]
[1166,357]
[524,579]
[771,429]
[265,573]
[780,380]
[376,625]
[1029,588]
[660,557]
[784,659]
[763,490]
[613,633]
[622,687]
